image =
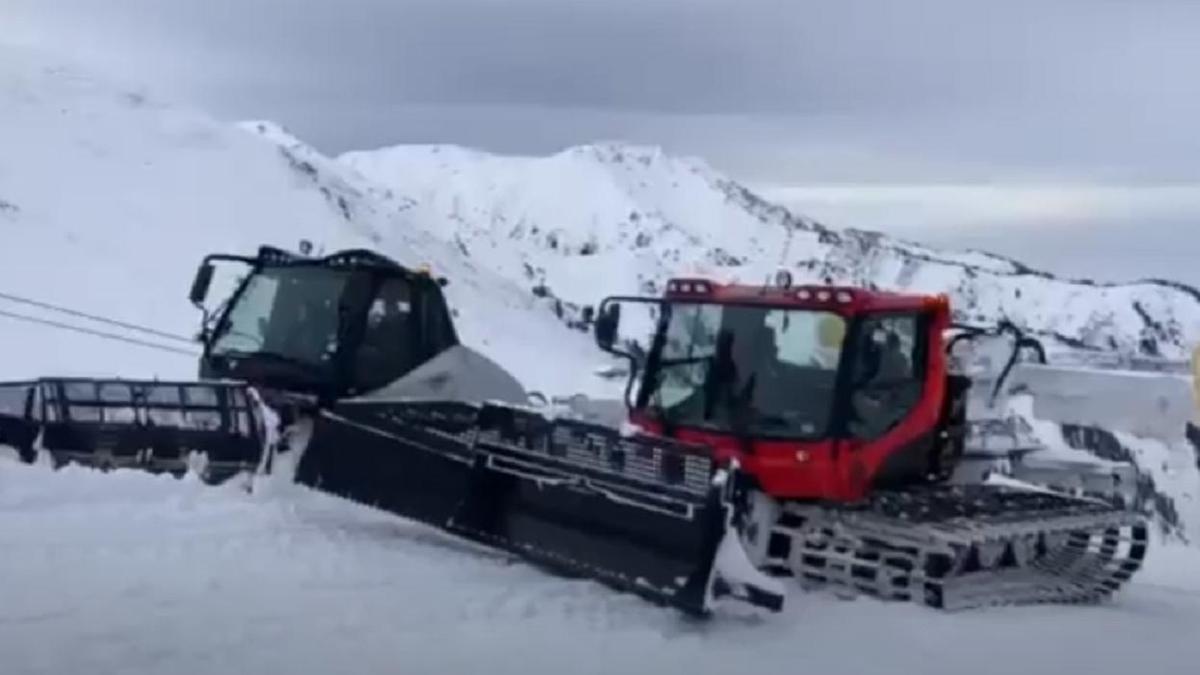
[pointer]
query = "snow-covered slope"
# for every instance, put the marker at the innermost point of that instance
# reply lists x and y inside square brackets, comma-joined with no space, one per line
[633,216]
[108,201]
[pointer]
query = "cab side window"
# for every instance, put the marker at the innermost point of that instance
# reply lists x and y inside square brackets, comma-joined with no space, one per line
[887,377]
[386,350]
[407,324]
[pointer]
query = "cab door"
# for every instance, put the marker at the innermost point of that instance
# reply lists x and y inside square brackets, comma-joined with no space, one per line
[892,404]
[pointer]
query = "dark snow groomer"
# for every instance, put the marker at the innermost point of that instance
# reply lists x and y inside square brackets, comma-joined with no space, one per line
[349,367]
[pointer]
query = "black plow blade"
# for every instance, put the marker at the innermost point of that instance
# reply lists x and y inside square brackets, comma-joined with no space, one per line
[647,516]
[149,425]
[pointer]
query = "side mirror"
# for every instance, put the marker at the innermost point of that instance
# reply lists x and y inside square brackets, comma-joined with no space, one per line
[607,323]
[625,326]
[201,284]
[630,336]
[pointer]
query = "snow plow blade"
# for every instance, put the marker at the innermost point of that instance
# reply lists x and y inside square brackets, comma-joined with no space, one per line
[647,516]
[154,426]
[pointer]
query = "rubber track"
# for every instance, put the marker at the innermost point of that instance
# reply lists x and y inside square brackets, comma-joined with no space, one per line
[962,547]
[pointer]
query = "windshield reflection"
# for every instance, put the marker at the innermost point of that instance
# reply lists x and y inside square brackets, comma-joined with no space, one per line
[766,370]
[290,313]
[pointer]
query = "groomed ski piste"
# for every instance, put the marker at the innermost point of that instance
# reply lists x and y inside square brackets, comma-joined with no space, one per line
[107,202]
[135,574]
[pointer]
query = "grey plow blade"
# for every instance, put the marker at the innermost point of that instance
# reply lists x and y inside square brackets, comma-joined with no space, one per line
[1143,398]
[961,547]
[1144,403]
[647,516]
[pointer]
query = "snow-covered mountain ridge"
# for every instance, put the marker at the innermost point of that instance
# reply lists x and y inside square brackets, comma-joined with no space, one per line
[604,219]
[634,216]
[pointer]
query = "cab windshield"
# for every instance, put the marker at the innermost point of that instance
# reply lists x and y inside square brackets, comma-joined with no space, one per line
[320,324]
[288,312]
[764,370]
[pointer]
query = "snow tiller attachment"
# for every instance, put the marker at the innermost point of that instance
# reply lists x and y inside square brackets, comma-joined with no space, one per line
[171,427]
[645,515]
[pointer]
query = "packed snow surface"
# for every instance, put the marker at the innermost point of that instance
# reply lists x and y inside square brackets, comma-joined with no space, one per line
[130,573]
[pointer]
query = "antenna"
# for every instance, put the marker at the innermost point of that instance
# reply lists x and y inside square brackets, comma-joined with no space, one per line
[787,246]
[783,277]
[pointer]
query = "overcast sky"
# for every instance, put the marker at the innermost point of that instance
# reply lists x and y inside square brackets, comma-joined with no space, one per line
[1059,131]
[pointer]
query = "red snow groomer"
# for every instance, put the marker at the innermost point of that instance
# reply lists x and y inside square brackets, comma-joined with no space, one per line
[854,421]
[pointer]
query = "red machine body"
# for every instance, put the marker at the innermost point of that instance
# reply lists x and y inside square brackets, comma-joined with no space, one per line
[839,464]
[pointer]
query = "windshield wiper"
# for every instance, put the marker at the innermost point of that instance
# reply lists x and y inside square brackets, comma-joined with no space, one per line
[683,361]
[771,420]
[313,370]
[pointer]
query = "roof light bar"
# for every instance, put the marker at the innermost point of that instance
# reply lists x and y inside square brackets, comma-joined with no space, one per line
[691,287]
[823,295]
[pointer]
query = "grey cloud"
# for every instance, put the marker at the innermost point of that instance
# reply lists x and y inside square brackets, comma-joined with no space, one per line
[1099,233]
[1101,249]
[780,91]
[1095,89]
